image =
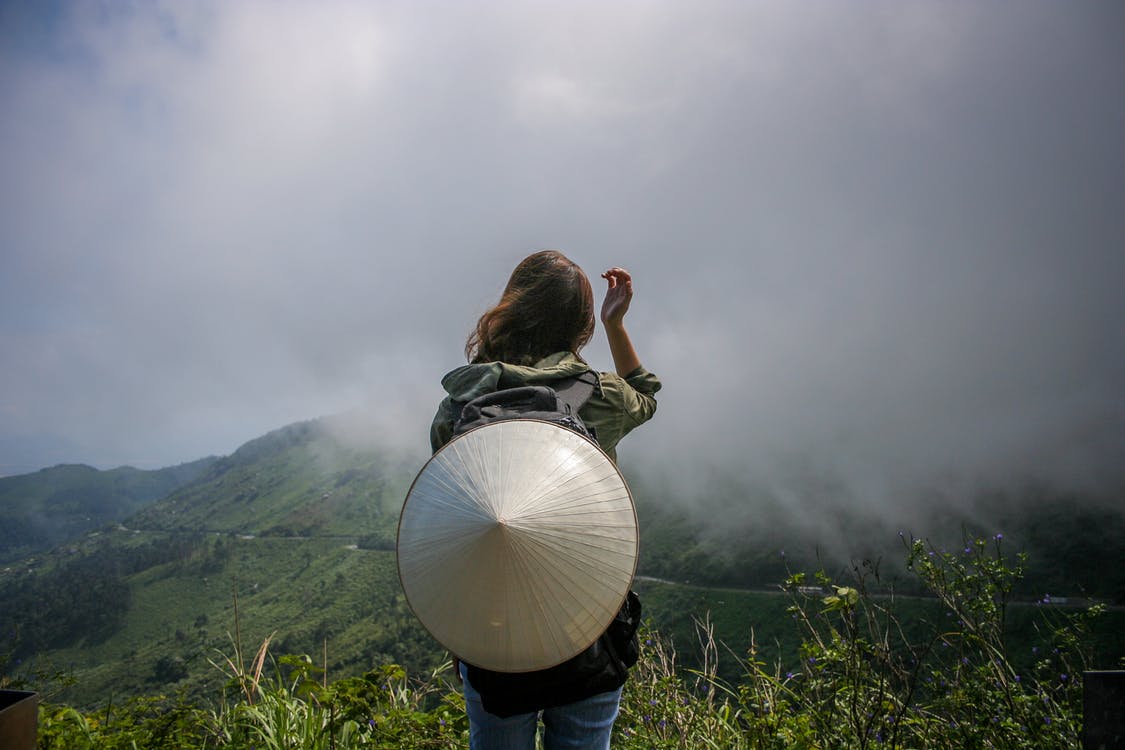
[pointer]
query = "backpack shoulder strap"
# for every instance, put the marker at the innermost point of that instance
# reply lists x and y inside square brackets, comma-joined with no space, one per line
[576,391]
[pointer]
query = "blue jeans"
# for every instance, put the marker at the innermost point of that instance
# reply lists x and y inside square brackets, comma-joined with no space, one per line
[583,725]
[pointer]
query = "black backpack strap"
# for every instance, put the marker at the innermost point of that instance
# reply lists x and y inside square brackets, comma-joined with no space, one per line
[576,391]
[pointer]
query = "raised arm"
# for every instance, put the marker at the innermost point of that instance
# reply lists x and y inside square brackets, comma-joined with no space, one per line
[617,298]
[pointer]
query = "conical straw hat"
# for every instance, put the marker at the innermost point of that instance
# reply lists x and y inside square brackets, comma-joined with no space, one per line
[517,545]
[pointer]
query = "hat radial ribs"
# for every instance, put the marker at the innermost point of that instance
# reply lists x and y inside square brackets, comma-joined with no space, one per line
[517,544]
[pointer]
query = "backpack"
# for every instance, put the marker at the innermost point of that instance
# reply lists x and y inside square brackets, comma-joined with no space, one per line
[558,404]
[604,665]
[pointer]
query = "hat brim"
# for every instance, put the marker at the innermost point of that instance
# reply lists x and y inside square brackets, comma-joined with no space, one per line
[517,545]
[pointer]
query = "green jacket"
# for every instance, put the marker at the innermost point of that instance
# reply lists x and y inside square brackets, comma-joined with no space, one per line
[618,405]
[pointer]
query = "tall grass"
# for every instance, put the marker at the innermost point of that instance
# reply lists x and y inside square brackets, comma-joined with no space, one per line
[868,679]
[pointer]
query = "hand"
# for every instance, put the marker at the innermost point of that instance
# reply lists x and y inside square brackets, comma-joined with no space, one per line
[617,297]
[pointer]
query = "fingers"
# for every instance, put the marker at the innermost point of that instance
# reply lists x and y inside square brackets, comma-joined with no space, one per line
[618,295]
[617,275]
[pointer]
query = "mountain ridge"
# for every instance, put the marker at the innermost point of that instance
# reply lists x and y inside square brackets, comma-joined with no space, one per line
[57,504]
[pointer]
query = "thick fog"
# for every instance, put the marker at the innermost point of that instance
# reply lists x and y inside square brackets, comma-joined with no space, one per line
[877,247]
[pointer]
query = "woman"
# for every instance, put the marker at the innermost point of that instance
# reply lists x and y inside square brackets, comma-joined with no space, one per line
[533,336]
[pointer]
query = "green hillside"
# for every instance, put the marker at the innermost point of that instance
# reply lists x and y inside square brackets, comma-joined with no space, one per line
[309,594]
[307,479]
[327,598]
[298,526]
[51,506]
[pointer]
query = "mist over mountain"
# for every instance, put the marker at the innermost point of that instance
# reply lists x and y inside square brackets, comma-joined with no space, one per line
[346,476]
[303,480]
[52,506]
[883,241]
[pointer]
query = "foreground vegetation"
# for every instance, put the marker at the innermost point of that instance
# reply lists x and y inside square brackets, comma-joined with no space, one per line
[865,677]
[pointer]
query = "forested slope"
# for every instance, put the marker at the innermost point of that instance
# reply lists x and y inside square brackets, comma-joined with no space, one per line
[51,506]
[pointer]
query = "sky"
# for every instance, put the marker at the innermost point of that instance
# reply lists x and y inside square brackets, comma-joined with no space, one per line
[877,242]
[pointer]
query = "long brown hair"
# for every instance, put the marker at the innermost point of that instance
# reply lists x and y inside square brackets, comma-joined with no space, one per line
[547,307]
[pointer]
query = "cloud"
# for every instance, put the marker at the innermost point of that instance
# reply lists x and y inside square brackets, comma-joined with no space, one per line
[879,245]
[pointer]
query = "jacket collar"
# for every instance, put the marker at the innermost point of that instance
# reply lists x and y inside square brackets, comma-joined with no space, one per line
[469,381]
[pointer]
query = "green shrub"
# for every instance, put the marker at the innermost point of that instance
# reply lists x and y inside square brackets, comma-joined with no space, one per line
[869,678]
